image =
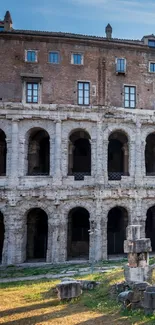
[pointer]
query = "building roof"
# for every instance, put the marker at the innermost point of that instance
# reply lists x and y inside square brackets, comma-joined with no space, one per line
[72,35]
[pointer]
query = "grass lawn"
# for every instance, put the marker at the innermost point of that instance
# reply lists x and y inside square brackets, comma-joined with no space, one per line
[22,271]
[36,302]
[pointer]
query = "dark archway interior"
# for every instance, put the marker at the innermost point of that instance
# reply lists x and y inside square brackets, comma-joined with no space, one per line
[150,155]
[150,226]
[116,230]
[117,155]
[78,235]
[3,150]
[79,153]
[38,153]
[37,234]
[2,231]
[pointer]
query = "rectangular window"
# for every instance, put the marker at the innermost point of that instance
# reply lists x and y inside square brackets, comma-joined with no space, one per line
[120,65]
[53,57]
[152,67]
[31,56]
[129,96]
[32,92]
[83,93]
[77,58]
[151,43]
[1,28]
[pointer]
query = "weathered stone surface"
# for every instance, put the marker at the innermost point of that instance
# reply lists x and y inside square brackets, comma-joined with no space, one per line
[137,246]
[149,300]
[59,114]
[69,290]
[134,274]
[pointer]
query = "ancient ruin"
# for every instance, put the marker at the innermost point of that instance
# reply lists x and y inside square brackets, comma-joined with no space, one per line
[77,140]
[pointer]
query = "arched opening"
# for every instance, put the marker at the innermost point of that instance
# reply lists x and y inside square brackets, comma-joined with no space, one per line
[116,230]
[79,161]
[37,234]
[2,231]
[3,150]
[78,234]
[38,152]
[118,156]
[150,155]
[150,226]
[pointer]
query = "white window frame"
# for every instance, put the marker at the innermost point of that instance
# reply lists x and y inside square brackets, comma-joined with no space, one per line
[120,72]
[24,92]
[57,52]
[125,85]
[150,65]
[36,57]
[72,58]
[83,81]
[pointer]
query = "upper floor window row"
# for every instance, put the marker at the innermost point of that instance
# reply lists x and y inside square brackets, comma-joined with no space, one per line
[53,57]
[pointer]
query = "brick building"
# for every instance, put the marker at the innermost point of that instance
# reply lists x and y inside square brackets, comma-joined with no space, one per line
[77,143]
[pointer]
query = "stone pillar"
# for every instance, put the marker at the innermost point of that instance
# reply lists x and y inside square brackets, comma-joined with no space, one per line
[13,252]
[132,160]
[98,239]
[56,250]
[14,153]
[138,249]
[57,147]
[8,157]
[126,159]
[99,157]
[143,158]
[138,152]
[105,160]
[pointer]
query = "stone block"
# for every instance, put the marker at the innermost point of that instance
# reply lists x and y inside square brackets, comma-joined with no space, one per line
[138,246]
[133,232]
[69,290]
[137,274]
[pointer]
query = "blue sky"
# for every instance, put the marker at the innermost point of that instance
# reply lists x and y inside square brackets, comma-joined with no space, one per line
[129,18]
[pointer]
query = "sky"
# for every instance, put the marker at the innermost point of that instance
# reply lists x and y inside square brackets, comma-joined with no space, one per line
[130,19]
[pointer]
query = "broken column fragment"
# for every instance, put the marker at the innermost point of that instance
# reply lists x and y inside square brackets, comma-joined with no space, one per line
[138,249]
[69,289]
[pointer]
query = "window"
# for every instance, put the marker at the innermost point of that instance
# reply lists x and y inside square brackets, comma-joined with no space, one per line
[1,28]
[83,93]
[53,57]
[32,92]
[31,56]
[120,65]
[77,58]
[130,96]
[151,43]
[152,67]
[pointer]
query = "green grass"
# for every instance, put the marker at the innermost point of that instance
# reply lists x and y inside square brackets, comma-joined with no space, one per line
[32,295]
[14,271]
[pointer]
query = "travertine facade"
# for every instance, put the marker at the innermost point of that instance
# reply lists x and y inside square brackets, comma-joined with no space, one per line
[57,112]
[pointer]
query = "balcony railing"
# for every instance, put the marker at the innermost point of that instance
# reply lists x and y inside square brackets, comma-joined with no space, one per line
[116,176]
[79,176]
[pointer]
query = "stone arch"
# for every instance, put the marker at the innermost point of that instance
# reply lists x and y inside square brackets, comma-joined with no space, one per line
[37,234]
[150,226]
[38,153]
[116,229]
[2,232]
[150,154]
[78,233]
[118,155]
[3,153]
[79,154]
